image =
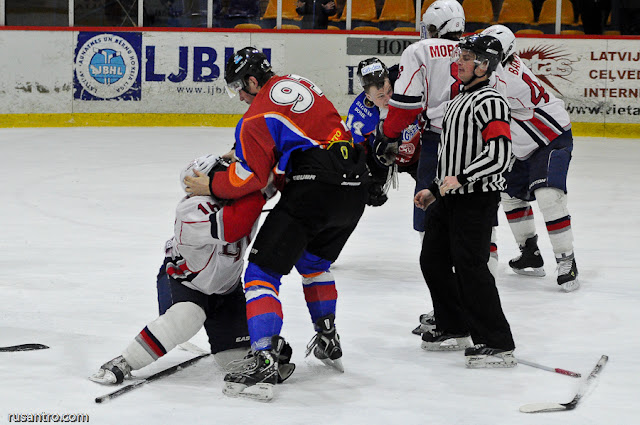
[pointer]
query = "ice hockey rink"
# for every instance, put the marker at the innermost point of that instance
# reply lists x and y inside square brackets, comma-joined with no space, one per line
[87,211]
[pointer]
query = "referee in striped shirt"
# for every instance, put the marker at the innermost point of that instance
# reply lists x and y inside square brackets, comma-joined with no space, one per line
[474,151]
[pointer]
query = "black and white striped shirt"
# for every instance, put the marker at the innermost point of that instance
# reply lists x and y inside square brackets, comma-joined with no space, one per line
[476,140]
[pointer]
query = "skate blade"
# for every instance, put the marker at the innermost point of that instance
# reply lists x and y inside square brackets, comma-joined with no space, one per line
[531,271]
[336,364]
[259,392]
[570,286]
[446,345]
[488,363]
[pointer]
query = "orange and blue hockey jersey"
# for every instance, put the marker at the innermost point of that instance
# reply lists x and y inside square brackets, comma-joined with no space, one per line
[287,114]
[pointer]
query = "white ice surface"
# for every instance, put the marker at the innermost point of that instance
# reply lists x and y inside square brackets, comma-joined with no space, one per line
[85,215]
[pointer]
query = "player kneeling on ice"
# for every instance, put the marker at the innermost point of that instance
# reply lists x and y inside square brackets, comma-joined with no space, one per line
[200,282]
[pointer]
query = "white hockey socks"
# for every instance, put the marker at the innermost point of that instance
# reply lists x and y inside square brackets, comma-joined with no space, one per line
[520,217]
[553,205]
[177,325]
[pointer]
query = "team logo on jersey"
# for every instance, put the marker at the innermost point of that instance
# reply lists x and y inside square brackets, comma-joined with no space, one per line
[547,63]
[107,66]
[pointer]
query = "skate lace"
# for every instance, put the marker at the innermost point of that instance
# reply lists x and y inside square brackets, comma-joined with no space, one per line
[436,333]
[248,363]
[312,344]
[564,267]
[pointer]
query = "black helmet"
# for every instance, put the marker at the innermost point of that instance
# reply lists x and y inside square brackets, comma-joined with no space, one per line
[486,48]
[372,71]
[247,62]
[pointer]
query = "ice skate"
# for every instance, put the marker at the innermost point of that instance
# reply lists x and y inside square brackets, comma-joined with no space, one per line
[481,356]
[439,341]
[529,262]
[427,323]
[112,372]
[325,345]
[255,376]
[568,273]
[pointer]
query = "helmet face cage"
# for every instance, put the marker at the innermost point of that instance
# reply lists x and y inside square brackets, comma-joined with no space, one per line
[372,72]
[245,63]
[446,16]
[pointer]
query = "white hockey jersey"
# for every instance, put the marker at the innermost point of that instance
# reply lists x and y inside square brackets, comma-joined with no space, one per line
[207,250]
[537,116]
[428,79]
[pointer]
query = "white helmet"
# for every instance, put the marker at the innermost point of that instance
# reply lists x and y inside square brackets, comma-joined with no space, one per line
[505,37]
[204,164]
[445,15]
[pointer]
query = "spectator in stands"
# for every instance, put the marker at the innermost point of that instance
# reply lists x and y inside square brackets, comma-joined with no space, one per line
[315,13]
[229,13]
[629,16]
[594,14]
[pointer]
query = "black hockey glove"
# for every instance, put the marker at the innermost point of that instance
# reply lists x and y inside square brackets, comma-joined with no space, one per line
[377,195]
[384,148]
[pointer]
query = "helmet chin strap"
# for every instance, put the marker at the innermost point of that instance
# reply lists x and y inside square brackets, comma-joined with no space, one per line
[475,77]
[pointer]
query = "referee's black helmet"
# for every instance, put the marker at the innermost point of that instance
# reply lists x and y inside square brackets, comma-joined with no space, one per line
[485,47]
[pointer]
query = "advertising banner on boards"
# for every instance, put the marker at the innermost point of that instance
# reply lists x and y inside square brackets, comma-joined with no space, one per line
[182,72]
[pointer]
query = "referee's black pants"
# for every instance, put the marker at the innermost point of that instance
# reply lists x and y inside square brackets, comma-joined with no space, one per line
[454,257]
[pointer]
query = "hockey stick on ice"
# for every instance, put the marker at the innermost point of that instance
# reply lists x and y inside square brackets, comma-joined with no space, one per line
[555,407]
[23,347]
[154,377]
[192,348]
[549,369]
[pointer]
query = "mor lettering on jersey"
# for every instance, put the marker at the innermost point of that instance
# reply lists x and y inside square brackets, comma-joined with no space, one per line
[428,81]
[441,51]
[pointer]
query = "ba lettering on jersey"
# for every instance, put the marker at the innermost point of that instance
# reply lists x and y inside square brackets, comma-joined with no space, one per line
[538,117]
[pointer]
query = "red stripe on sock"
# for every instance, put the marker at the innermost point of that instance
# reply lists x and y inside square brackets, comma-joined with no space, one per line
[317,293]
[147,339]
[519,214]
[557,226]
[264,305]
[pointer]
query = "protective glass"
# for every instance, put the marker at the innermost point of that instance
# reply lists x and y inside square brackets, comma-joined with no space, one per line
[466,55]
[456,53]
[234,87]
